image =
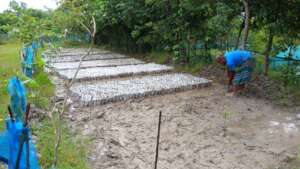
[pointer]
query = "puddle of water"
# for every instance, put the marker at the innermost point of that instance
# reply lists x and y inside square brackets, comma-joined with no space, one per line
[289,127]
[274,123]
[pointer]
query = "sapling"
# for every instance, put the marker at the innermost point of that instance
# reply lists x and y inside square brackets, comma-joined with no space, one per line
[62,109]
[226,116]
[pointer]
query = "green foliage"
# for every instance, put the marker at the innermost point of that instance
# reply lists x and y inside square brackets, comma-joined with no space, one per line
[73,151]
[288,76]
[257,41]
[26,24]
[9,66]
[178,26]
[193,68]
[153,25]
[159,57]
[39,88]
[227,115]
[139,26]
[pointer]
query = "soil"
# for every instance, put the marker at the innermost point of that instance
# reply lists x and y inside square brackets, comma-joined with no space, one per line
[202,128]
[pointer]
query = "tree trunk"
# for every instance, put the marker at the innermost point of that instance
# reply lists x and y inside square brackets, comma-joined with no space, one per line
[267,52]
[168,7]
[247,21]
[240,33]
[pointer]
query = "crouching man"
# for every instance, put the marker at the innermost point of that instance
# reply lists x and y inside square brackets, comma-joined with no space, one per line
[240,65]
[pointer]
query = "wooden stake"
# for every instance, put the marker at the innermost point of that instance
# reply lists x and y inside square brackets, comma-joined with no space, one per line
[157,141]
[10,112]
[26,121]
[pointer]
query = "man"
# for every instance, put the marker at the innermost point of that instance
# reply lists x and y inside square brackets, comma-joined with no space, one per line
[240,65]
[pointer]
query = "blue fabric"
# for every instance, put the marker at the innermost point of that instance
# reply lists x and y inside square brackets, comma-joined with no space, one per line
[29,54]
[295,53]
[4,147]
[15,133]
[243,75]
[35,46]
[9,146]
[28,72]
[279,60]
[17,93]
[235,59]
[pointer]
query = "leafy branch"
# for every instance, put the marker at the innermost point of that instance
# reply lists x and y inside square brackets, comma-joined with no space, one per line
[61,110]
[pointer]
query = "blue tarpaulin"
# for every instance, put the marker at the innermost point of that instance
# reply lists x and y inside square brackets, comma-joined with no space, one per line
[284,57]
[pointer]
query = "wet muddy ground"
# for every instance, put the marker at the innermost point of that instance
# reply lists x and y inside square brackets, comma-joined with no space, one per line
[204,128]
[195,132]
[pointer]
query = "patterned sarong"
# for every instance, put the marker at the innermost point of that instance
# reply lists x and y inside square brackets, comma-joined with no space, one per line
[244,72]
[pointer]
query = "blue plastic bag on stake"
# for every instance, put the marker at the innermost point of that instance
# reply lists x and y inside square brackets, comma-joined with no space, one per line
[28,60]
[16,142]
[17,93]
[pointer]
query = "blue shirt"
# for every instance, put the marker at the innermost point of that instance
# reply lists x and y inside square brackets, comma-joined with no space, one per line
[236,58]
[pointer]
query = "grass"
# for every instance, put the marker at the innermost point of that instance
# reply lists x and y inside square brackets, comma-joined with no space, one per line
[284,83]
[72,154]
[166,58]
[72,151]
[159,57]
[9,66]
[190,68]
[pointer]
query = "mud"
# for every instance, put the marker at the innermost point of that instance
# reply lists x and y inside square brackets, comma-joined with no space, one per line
[194,132]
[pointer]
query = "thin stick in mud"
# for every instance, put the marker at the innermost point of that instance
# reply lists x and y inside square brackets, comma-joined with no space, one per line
[157,141]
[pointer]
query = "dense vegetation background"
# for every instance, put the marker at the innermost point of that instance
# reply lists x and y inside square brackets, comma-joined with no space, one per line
[188,33]
[177,26]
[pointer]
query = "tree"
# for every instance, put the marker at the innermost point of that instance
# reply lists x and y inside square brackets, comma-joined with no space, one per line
[24,23]
[266,53]
[279,20]
[247,22]
[178,26]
